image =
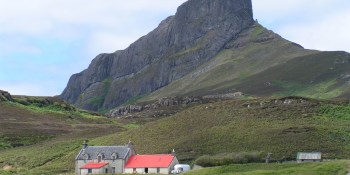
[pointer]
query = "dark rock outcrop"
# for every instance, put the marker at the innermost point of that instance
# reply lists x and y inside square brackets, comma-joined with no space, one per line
[199,31]
[163,102]
[5,96]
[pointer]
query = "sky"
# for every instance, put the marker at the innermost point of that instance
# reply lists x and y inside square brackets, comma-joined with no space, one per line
[44,42]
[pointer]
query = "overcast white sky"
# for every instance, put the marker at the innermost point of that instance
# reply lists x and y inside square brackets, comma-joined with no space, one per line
[43,42]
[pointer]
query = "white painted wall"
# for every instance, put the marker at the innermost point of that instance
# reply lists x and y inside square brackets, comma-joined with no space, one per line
[153,170]
[118,164]
[131,170]
[94,171]
[78,164]
[301,161]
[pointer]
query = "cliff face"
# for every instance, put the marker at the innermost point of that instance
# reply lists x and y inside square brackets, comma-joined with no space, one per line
[199,30]
[5,96]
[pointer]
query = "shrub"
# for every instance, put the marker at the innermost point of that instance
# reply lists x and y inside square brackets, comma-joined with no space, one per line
[229,158]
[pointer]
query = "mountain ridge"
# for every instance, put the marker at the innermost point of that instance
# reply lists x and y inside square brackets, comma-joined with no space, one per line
[207,48]
[198,31]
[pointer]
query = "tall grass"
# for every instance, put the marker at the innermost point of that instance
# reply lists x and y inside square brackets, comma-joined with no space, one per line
[324,168]
[336,111]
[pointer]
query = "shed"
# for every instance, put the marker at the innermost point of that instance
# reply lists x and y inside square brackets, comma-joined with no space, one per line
[309,157]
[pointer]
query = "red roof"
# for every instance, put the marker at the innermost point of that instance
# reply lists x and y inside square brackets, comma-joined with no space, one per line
[93,165]
[150,161]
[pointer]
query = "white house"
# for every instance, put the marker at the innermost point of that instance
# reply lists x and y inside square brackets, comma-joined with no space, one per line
[102,159]
[155,164]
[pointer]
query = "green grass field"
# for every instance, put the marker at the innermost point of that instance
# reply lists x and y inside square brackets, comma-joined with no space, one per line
[324,168]
[283,126]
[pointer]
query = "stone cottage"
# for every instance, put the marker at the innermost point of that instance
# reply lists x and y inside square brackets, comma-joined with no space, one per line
[103,159]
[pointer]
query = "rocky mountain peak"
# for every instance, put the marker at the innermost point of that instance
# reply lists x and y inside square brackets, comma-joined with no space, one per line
[212,10]
[196,17]
[199,30]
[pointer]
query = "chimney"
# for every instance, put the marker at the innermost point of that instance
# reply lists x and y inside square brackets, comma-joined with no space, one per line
[173,152]
[131,146]
[85,144]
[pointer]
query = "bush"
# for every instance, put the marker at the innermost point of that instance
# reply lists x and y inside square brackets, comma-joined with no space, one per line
[229,158]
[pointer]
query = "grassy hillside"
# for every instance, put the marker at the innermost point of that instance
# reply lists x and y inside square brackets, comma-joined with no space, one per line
[255,50]
[261,63]
[282,126]
[29,120]
[321,75]
[41,135]
[327,168]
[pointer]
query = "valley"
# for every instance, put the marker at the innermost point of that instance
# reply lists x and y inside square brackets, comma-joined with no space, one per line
[283,126]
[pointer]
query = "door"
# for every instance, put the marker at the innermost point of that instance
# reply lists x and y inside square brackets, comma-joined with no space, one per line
[146,170]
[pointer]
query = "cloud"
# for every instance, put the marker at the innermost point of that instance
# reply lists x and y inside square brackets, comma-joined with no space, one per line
[42,40]
[327,34]
[317,25]
[76,20]
[30,88]
[16,45]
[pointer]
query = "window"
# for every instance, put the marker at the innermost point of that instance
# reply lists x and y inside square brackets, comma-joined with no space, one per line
[114,156]
[89,171]
[100,157]
[86,157]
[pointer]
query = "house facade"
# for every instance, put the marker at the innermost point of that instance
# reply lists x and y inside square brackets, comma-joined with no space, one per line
[309,157]
[102,159]
[94,168]
[151,164]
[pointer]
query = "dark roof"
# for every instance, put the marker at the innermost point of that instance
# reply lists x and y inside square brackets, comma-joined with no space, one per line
[107,151]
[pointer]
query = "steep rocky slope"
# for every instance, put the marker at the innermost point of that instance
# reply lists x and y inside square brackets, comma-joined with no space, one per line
[261,63]
[197,33]
[255,50]
[209,47]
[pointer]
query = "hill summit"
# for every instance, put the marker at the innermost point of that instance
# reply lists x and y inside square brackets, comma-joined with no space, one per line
[209,47]
[199,30]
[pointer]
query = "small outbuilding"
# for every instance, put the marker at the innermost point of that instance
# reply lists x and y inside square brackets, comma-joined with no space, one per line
[154,164]
[309,157]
